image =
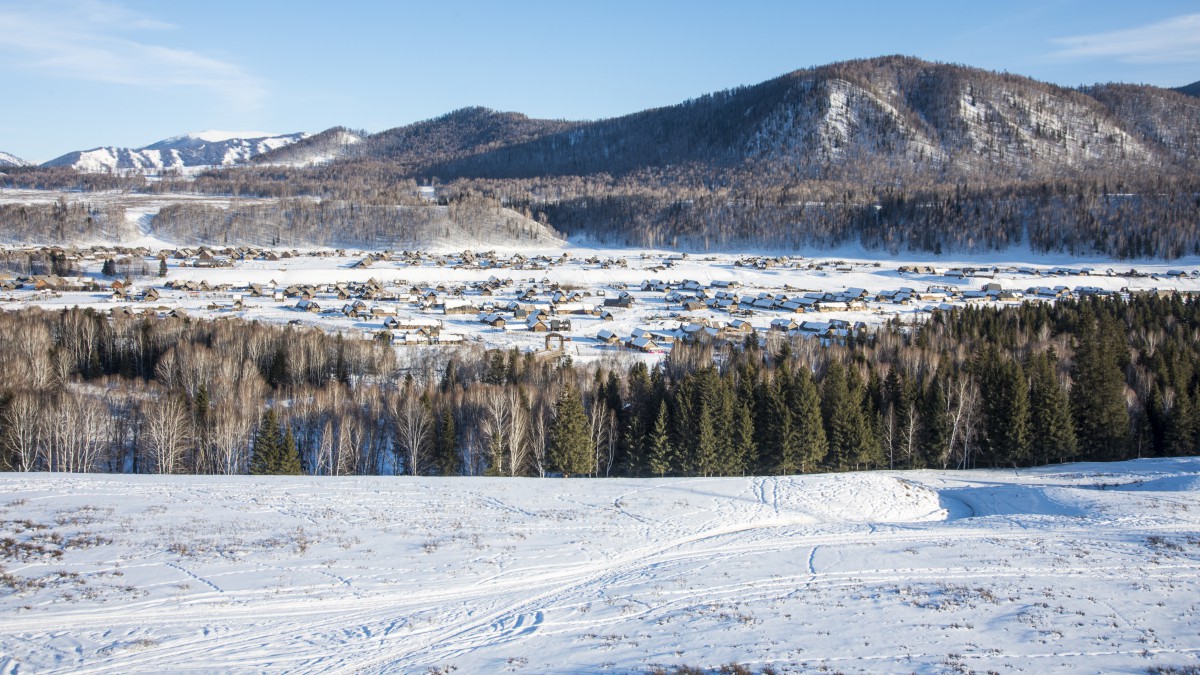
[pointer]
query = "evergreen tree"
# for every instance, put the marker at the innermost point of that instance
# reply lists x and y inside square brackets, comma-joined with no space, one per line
[851,421]
[1098,397]
[1052,431]
[782,440]
[866,424]
[162,267]
[266,445]
[109,269]
[1006,408]
[289,456]
[742,449]
[704,457]
[274,453]
[570,442]
[658,444]
[935,423]
[446,451]
[842,420]
[811,443]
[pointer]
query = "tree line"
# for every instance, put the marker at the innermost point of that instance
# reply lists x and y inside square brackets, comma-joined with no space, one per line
[1093,379]
[62,222]
[1126,218]
[307,222]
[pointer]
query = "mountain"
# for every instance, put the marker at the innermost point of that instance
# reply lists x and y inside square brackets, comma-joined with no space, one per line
[858,119]
[206,148]
[7,160]
[1192,89]
[312,150]
[886,118]
[459,134]
[887,153]
[453,136]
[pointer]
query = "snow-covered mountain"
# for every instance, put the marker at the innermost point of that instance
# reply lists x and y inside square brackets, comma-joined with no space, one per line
[205,148]
[7,160]
[319,148]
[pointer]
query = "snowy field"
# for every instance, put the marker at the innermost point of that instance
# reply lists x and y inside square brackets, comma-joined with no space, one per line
[1074,568]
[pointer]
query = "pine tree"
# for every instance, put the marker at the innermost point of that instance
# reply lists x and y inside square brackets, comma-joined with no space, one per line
[1006,408]
[570,442]
[289,456]
[866,424]
[809,430]
[783,440]
[162,267]
[742,449]
[1098,397]
[658,444]
[935,423]
[841,419]
[704,457]
[109,269]
[1052,431]
[266,445]
[446,452]
[274,452]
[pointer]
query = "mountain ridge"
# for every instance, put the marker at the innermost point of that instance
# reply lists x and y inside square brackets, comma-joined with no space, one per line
[10,160]
[860,119]
[197,149]
[854,118]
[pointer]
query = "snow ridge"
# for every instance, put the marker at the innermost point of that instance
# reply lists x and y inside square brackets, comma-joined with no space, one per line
[7,160]
[199,149]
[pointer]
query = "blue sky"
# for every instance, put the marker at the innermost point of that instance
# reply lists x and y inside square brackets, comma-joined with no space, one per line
[77,74]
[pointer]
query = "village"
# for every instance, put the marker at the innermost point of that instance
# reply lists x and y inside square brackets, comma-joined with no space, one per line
[582,302]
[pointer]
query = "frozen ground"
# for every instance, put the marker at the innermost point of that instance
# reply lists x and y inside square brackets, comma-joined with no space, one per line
[1075,568]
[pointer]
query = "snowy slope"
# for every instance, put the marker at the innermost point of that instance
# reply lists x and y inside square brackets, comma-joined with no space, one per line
[1075,568]
[7,159]
[319,148]
[205,148]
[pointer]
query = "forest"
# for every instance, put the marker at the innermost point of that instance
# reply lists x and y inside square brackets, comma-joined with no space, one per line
[334,223]
[1123,218]
[1094,379]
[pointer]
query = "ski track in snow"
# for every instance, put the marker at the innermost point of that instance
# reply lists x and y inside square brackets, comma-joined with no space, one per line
[1060,569]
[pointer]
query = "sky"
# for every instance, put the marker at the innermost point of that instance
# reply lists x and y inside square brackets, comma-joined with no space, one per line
[78,74]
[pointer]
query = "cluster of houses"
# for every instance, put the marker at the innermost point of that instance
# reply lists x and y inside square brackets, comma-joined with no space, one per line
[470,260]
[420,313]
[737,331]
[49,283]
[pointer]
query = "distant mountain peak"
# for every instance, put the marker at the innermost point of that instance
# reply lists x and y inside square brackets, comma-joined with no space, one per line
[9,160]
[215,136]
[313,149]
[198,149]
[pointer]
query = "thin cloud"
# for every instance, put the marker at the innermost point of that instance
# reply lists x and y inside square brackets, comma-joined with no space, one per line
[1176,40]
[103,42]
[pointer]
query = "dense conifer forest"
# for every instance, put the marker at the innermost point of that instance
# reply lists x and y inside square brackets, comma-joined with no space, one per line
[1094,379]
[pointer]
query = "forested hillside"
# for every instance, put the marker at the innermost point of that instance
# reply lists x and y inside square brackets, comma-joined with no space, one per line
[893,153]
[1092,379]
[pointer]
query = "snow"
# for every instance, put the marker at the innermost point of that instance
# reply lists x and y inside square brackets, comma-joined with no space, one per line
[213,136]
[1071,568]
[189,151]
[651,310]
[7,159]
